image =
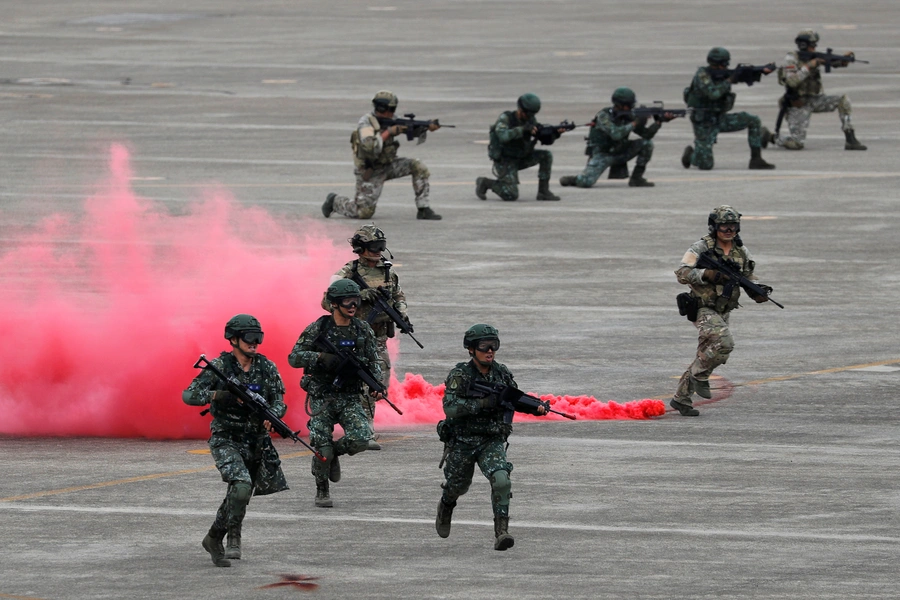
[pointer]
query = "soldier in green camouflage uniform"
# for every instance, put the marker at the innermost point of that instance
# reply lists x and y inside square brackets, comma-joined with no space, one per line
[512,149]
[711,98]
[804,96]
[240,442]
[376,161]
[369,242]
[474,432]
[710,290]
[608,143]
[328,405]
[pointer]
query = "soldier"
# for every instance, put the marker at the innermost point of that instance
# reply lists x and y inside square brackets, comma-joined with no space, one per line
[474,432]
[608,143]
[715,297]
[240,443]
[512,149]
[804,95]
[369,242]
[711,98]
[376,161]
[328,405]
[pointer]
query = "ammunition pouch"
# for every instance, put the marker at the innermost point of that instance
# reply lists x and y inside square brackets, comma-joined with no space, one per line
[688,306]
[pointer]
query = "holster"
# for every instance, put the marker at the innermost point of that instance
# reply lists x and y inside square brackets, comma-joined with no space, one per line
[688,306]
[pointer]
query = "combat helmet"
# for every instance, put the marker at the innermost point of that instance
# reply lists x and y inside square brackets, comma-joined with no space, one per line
[529,103]
[385,99]
[806,38]
[368,237]
[239,324]
[624,96]
[479,332]
[342,288]
[723,214]
[718,56]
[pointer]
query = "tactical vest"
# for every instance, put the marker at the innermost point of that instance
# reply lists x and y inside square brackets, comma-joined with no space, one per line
[702,103]
[515,149]
[811,86]
[363,158]
[710,295]
[233,417]
[356,340]
[598,140]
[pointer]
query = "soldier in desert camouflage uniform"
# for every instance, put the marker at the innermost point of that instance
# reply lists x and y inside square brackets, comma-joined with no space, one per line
[328,405]
[712,98]
[369,242]
[805,95]
[474,433]
[375,160]
[240,442]
[710,291]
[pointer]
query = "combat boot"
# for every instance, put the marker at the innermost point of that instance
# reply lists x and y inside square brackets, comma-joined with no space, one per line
[852,142]
[686,157]
[233,547]
[766,137]
[372,445]
[212,543]
[568,180]
[334,470]
[503,540]
[544,192]
[637,178]
[442,522]
[427,214]
[756,160]
[323,500]
[701,387]
[618,172]
[686,410]
[482,185]
[328,206]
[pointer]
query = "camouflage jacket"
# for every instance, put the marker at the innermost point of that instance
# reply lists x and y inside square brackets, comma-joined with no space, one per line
[799,77]
[262,378]
[374,277]
[318,380]
[370,151]
[708,97]
[464,417]
[508,138]
[609,137]
[710,295]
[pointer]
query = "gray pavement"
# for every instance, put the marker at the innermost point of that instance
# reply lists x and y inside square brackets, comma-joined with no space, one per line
[785,487]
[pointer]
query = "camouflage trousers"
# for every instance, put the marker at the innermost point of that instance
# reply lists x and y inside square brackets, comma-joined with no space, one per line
[489,453]
[244,461]
[384,361]
[370,184]
[507,172]
[599,161]
[340,409]
[714,345]
[706,133]
[798,118]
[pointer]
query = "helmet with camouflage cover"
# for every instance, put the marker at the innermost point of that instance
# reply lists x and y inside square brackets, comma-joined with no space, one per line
[806,38]
[718,56]
[342,288]
[385,99]
[529,103]
[624,96]
[368,237]
[479,332]
[240,323]
[723,214]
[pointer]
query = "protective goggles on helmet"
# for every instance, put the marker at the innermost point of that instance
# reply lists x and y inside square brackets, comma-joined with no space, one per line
[375,246]
[487,345]
[252,337]
[728,227]
[350,302]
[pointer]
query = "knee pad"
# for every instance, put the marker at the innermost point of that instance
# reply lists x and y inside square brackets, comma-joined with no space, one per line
[509,195]
[240,492]
[419,169]
[501,488]
[844,104]
[365,212]
[319,467]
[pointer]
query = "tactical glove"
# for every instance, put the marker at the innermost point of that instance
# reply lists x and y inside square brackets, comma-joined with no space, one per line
[407,325]
[713,276]
[368,294]
[329,361]
[768,289]
[487,402]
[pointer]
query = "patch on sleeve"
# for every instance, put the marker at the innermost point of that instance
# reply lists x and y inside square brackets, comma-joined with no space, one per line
[454,384]
[689,258]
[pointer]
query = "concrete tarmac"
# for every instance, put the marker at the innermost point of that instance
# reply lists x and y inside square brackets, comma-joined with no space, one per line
[784,487]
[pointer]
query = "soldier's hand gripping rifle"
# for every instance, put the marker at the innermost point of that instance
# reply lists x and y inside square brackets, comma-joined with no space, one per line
[512,399]
[414,129]
[658,112]
[351,367]
[256,403]
[830,59]
[547,134]
[743,73]
[381,303]
[728,268]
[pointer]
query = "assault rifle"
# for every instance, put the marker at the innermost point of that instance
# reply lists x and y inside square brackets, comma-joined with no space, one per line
[512,399]
[547,134]
[414,129]
[829,57]
[730,269]
[657,111]
[743,73]
[351,366]
[381,304]
[256,403]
